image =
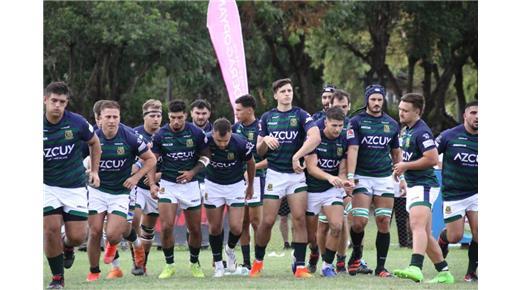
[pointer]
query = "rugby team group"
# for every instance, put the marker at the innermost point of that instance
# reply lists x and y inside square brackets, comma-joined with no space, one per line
[113,181]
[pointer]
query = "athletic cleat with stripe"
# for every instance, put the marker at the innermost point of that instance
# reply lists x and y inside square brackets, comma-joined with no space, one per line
[328,272]
[353,266]
[383,273]
[302,272]
[364,269]
[57,282]
[91,277]
[168,271]
[138,271]
[196,270]
[411,272]
[256,269]
[115,273]
[471,277]
[443,277]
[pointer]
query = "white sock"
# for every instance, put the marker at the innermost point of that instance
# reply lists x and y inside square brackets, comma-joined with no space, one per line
[115,263]
[326,265]
[219,265]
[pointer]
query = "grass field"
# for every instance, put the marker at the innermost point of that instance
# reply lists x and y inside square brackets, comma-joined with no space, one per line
[276,274]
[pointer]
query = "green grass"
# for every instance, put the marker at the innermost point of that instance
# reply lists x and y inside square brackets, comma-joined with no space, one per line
[276,274]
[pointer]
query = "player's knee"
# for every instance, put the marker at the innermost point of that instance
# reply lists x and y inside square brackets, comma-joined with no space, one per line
[417,225]
[268,222]
[147,233]
[236,229]
[298,221]
[454,236]
[167,226]
[51,231]
[113,238]
[335,228]
[255,222]
[77,238]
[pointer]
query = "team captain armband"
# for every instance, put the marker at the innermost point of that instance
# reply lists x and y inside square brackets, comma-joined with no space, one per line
[204,160]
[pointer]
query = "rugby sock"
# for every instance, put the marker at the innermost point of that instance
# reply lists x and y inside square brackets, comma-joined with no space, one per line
[115,262]
[95,269]
[299,253]
[340,258]
[56,265]
[132,237]
[443,237]
[473,257]
[382,245]
[357,239]
[168,255]
[216,246]
[246,253]
[328,257]
[233,240]
[194,254]
[146,253]
[314,250]
[259,252]
[417,260]
[442,266]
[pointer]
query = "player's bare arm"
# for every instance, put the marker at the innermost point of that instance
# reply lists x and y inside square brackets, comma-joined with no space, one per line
[149,162]
[251,170]
[312,141]
[428,160]
[311,162]
[95,156]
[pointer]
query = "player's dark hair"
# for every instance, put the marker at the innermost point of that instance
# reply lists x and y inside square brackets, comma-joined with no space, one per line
[222,126]
[200,104]
[280,83]
[417,101]
[96,108]
[109,104]
[246,101]
[177,106]
[339,95]
[58,88]
[471,104]
[335,113]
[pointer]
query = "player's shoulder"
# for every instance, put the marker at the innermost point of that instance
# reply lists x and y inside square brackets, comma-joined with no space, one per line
[193,129]
[127,131]
[422,130]
[452,132]
[139,129]
[74,118]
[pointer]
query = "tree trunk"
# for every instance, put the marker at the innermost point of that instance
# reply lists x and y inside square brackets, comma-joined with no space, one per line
[412,60]
[459,87]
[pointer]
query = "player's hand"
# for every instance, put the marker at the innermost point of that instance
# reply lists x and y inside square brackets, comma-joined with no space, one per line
[297,166]
[154,191]
[93,179]
[335,181]
[348,185]
[185,177]
[131,182]
[399,169]
[249,192]
[402,187]
[271,142]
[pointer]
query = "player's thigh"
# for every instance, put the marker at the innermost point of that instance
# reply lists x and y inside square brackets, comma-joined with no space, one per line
[215,216]
[116,224]
[95,223]
[420,216]
[361,200]
[255,214]
[52,224]
[76,230]
[298,204]
[193,219]
[235,217]
[312,227]
[167,213]
[334,214]
[270,211]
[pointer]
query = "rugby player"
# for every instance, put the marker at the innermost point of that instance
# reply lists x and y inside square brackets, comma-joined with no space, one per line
[247,126]
[326,179]
[225,186]
[184,152]
[64,192]
[326,94]
[286,135]
[120,146]
[419,157]
[146,210]
[459,146]
[374,147]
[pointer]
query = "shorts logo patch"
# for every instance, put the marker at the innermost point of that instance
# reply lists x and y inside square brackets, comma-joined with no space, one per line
[293,122]
[270,187]
[230,156]
[69,135]
[339,151]
[120,150]
[447,210]
[189,143]
[386,128]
